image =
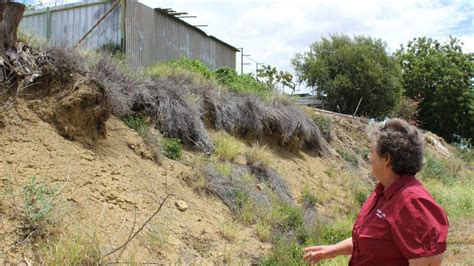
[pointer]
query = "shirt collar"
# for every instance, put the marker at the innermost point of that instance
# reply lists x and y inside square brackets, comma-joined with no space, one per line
[400,182]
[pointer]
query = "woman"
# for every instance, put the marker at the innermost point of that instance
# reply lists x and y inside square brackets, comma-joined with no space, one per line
[400,223]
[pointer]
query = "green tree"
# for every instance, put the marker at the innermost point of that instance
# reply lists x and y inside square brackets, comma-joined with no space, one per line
[273,77]
[442,76]
[344,70]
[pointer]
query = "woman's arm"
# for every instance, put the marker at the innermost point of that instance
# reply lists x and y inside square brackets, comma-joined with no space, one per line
[431,261]
[317,253]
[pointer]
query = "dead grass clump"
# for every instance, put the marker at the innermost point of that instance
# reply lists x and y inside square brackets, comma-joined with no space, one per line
[119,87]
[267,175]
[280,121]
[166,103]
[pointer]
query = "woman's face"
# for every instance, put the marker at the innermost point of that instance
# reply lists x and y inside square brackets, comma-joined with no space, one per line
[377,163]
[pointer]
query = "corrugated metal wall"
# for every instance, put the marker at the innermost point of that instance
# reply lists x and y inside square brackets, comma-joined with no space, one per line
[152,37]
[69,23]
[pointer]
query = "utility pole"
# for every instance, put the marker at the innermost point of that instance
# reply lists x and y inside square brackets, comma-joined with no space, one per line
[242,60]
[256,69]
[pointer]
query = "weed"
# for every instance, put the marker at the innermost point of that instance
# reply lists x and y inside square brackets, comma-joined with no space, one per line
[156,236]
[308,198]
[264,230]
[227,147]
[137,123]
[224,168]
[172,148]
[331,171]
[38,204]
[229,230]
[246,209]
[348,156]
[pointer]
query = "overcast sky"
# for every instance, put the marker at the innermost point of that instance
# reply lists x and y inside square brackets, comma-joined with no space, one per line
[273,31]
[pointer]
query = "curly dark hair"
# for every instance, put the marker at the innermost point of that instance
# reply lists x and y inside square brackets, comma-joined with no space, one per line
[402,142]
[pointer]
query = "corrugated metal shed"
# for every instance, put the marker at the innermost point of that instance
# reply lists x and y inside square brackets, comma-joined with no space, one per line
[151,35]
[155,36]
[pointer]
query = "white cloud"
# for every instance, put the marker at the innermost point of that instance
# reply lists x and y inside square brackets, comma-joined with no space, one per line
[273,31]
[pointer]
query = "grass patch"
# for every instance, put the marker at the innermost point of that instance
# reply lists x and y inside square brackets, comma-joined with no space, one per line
[155,236]
[227,147]
[257,155]
[446,171]
[348,156]
[308,198]
[331,232]
[229,230]
[455,198]
[72,250]
[172,148]
[137,123]
[224,168]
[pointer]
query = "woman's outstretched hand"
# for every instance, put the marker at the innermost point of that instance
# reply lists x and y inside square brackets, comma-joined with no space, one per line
[317,253]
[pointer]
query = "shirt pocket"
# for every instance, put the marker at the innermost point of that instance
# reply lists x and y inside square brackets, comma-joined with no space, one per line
[377,228]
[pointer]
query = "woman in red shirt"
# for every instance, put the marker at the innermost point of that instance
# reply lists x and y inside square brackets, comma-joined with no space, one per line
[400,223]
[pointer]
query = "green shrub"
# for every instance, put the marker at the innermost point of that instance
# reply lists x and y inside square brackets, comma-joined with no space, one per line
[285,252]
[172,148]
[323,123]
[241,83]
[348,156]
[191,65]
[137,123]
[287,218]
[38,203]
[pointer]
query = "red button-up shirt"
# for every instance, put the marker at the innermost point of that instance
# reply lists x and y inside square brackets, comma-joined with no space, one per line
[399,223]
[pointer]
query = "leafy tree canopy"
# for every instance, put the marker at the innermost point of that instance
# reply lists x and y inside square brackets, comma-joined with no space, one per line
[345,69]
[440,76]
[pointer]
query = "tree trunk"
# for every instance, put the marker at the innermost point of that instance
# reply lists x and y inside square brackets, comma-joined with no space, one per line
[10,17]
